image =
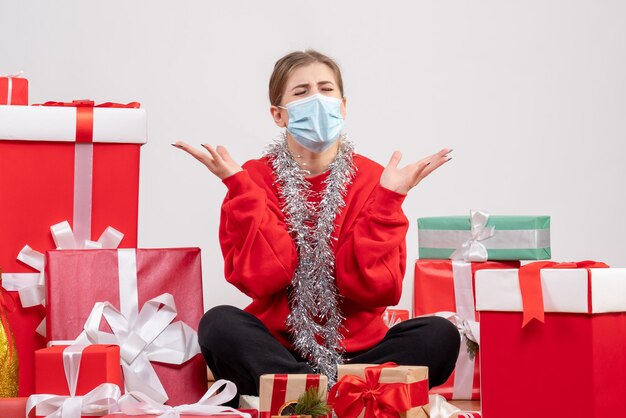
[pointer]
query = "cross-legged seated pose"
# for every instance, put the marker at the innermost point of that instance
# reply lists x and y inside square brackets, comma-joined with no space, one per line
[314,233]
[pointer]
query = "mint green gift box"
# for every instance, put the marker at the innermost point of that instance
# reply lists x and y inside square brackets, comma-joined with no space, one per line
[514,237]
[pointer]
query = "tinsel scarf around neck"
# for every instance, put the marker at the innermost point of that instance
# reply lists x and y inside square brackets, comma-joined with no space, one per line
[313,295]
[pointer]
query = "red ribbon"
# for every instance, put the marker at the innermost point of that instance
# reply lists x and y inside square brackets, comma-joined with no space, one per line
[530,285]
[84,115]
[352,394]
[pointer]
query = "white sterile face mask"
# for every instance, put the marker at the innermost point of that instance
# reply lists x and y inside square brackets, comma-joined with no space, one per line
[315,121]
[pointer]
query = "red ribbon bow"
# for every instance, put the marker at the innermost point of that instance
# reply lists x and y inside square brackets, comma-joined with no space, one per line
[530,285]
[84,115]
[352,394]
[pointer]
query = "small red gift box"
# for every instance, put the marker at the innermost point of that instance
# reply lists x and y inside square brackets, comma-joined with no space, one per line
[395,316]
[98,364]
[573,364]
[50,173]
[277,390]
[13,90]
[442,286]
[166,282]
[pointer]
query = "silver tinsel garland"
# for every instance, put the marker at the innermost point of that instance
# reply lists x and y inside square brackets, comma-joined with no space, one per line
[313,295]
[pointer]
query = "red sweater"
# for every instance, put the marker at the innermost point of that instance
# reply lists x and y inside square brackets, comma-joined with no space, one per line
[260,256]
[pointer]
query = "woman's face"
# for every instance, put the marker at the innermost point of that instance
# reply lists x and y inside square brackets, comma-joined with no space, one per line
[303,82]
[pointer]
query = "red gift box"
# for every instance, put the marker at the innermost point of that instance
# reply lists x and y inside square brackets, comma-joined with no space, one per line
[98,364]
[77,279]
[38,175]
[13,90]
[571,365]
[395,316]
[447,286]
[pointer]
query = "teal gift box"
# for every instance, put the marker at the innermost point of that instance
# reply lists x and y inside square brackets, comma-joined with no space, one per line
[491,237]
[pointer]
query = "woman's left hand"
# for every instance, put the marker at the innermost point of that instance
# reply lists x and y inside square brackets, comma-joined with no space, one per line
[401,180]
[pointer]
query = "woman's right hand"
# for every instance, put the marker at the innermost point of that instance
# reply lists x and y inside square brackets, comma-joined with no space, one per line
[218,160]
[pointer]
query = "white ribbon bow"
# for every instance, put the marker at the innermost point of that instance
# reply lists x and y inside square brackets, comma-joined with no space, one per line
[473,249]
[439,407]
[99,401]
[137,403]
[31,286]
[150,336]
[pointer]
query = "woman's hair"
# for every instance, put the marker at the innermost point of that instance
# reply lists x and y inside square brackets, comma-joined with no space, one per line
[293,60]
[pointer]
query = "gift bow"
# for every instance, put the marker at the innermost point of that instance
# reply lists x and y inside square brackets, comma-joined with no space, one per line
[150,336]
[102,399]
[138,403]
[351,394]
[31,286]
[530,285]
[473,249]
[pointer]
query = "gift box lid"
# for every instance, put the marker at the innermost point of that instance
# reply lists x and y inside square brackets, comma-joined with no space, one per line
[564,290]
[58,123]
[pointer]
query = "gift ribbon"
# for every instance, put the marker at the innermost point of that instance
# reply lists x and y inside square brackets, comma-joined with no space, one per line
[351,394]
[473,249]
[530,285]
[99,401]
[222,391]
[31,286]
[143,336]
[10,85]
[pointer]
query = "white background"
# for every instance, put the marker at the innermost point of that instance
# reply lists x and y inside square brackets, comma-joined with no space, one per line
[530,94]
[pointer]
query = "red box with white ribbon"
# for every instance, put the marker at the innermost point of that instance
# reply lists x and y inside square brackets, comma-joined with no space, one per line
[62,163]
[571,360]
[13,90]
[148,301]
[445,288]
[278,390]
[393,317]
[92,373]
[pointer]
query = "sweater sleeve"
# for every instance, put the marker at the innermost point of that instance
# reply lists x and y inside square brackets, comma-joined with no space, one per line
[259,255]
[371,260]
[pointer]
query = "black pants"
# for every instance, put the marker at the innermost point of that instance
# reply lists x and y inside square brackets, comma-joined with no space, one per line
[238,347]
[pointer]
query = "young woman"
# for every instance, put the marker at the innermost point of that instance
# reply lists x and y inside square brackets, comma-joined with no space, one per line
[315,234]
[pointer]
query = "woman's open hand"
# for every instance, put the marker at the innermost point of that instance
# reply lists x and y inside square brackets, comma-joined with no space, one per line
[401,180]
[218,160]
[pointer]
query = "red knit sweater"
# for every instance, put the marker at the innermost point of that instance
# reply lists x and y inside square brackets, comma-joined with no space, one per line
[260,256]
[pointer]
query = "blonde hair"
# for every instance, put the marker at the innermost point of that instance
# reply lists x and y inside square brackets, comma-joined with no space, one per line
[293,60]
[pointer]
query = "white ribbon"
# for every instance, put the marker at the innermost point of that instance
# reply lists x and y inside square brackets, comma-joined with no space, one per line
[473,249]
[467,326]
[137,403]
[439,407]
[151,336]
[391,319]
[99,401]
[10,84]
[31,286]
